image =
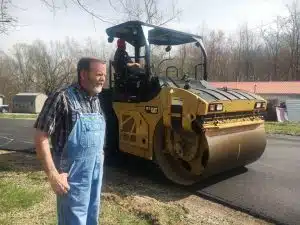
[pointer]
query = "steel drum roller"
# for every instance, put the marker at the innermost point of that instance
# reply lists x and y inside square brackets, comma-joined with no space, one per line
[233,147]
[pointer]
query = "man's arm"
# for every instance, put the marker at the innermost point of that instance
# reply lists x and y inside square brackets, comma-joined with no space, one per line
[133,64]
[57,181]
[45,126]
[42,145]
[128,61]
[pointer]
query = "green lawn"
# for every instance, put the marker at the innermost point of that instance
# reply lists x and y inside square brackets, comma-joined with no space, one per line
[18,116]
[17,197]
[287,128]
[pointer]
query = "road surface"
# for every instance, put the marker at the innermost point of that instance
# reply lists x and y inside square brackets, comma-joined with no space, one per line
[16,134]
[269,187]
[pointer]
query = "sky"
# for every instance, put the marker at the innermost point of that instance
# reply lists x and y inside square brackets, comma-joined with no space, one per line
[36,21]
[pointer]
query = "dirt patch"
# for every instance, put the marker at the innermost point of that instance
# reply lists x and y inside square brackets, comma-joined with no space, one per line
[206,212]
[129,196]
[165,204]
[150,209]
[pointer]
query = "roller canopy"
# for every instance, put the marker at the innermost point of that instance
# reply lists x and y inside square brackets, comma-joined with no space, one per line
[132,32]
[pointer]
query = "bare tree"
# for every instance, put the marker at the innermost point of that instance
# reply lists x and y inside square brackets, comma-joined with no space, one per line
[95,48]
[149,11]
[53,67]
[7,82]
[292,30]
[248,48]
[273,42]
[37,67]
[6,19]
[271,54]
[22,67]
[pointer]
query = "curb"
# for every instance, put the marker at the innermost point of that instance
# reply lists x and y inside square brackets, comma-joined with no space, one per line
[283,137]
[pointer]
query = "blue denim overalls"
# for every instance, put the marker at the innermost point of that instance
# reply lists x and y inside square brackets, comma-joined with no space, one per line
[85,157]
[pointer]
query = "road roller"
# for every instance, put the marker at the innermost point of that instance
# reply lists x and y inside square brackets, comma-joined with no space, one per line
[189,128]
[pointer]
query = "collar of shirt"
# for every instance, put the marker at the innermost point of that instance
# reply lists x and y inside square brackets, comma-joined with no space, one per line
[85,94]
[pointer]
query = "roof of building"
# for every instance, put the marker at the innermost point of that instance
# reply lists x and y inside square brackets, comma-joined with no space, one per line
[29,94]
[272,87]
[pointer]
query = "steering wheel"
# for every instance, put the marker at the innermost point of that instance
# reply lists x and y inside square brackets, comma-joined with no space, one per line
[172,67]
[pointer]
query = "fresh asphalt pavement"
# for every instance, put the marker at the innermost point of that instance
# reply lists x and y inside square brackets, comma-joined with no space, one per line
[268,188]
[16,134]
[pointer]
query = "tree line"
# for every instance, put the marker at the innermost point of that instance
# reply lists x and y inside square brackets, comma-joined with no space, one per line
[266,53]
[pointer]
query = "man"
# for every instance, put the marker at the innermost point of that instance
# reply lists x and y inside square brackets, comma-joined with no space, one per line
[73,118]
[123,61]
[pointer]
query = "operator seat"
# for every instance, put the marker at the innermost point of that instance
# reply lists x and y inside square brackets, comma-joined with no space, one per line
[129,84]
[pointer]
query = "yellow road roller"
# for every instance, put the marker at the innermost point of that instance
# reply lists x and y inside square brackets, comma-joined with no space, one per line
[189,128]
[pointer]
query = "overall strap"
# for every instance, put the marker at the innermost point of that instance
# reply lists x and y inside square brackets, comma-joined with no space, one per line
[75,111]
[73,99]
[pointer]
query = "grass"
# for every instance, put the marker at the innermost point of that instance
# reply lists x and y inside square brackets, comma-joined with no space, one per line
[18,116]
[26,198]
[287,128]
[14,196]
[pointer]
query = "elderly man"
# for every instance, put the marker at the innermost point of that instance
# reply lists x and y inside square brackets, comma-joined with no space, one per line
[74,120]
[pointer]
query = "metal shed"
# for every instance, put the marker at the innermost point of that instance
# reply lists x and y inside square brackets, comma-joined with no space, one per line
[293,110]
[1,99]
[28,102]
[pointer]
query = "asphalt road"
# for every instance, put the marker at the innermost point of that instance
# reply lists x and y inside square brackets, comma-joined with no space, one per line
[269,188]
[16,134]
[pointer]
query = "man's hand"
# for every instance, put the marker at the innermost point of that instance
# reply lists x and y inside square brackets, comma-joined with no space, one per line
[137,65]
[59,183]
[134,65]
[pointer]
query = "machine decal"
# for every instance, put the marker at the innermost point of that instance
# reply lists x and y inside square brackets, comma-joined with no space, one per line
[176,112]
[177,101]
[151,109]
